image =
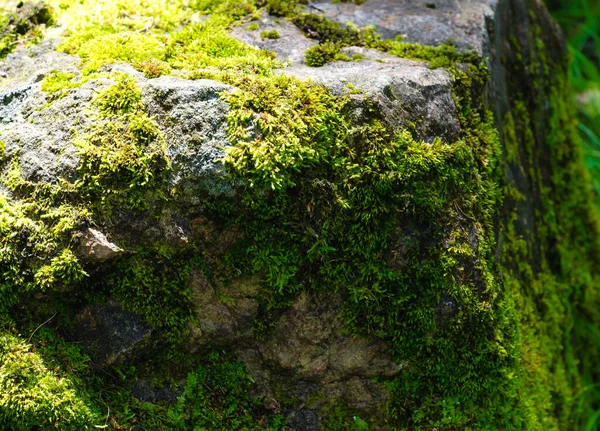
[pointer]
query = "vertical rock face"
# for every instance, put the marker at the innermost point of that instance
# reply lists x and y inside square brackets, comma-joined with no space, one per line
[401,238]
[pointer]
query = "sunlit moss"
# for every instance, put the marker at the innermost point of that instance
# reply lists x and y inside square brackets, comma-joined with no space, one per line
[57,84]
[33,395]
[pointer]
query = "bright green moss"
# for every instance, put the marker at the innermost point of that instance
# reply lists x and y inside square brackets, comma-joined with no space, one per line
[57,84]
[34,395]
[120,99]
[123,155]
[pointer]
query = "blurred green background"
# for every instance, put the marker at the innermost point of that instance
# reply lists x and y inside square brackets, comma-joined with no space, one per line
[580,20]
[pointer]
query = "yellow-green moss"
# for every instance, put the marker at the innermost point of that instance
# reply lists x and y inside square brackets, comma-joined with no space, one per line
[57,84]
[38,395]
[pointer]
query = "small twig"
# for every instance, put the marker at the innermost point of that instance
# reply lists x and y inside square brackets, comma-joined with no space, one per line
[35,330]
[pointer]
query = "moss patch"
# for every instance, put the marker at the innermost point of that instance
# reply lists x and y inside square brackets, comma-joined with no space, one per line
[404,230]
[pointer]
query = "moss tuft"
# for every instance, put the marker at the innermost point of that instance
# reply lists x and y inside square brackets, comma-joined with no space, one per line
[57,84]
[272,34]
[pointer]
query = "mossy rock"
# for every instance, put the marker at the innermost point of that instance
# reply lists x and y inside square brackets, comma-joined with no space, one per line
[337,222]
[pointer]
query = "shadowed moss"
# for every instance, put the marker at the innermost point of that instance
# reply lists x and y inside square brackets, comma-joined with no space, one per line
[23,24]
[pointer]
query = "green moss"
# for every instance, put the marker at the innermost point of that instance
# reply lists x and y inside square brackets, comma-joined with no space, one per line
[334,35]
[217,396]
[154,68]
[323,53]
[272,34]
[510,139]
[397,226]
[551,275]
[252,27]
[156,288]
[123,156]
[36,395]
[120,99]
[57,84]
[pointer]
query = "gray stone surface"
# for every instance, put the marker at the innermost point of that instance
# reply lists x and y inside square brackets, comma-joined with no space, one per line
[41,137]
[289,47]
[193,120]
[112,335]
[403,90]
[94,247]
[428,22]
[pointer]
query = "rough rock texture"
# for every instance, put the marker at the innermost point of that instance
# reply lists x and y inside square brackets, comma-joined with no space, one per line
[42,138]
[96,248]
[193,120]
[290,46]
[189,112]
[405,91]
[112,335]
[428,23]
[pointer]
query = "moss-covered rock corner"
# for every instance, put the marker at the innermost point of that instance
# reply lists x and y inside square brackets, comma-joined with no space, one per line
[194,236]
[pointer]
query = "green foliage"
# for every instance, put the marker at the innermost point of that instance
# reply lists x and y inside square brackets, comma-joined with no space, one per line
[156,288]
[272,34]
[35,394]
[34,254]
[217,397]
[580,21]
[120,99]
[320,210]
[57,84]
[323,53]
[123,156]
[400,227]
[333,36]
[339,419]
[551,276]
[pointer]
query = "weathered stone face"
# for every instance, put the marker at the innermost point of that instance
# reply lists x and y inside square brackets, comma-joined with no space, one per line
[112,335]
[428,23]
[404,91]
